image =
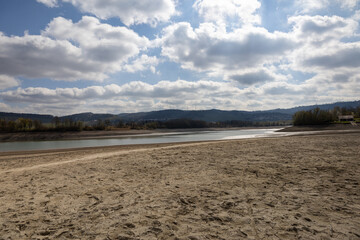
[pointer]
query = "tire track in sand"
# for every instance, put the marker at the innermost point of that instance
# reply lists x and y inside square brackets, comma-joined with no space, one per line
[102,155]
[249,200]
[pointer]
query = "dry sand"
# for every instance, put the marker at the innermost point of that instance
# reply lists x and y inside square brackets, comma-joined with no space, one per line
[303,187]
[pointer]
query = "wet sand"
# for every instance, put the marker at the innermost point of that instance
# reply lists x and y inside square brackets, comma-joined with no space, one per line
[329,127]
[50,136]
[299,187]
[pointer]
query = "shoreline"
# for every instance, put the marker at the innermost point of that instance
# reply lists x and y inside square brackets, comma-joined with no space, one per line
[328,127]
[105,148]
[289,188]
[54,136]
[281,134]
[170,144]
[106,134]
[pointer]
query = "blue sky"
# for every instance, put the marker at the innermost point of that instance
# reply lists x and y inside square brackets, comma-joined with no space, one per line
[69,56]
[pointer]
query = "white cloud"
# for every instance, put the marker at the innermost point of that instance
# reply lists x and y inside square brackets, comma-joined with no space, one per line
[338,85]
[323,47]
[70,51]
[344,56]
[323,28]
[49,3]
[142,63]
[349,3]
[164,94]
[205,49]
[308,6]
[100,42]
[259,67]
[229,12]
[311,5]
[163,89]
[140,96]
[42,57]
[7,82]
[4,107]
[284,88]
[128,11]
[324,53]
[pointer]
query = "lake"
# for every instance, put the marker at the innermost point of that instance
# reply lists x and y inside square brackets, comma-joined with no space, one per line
[173,137]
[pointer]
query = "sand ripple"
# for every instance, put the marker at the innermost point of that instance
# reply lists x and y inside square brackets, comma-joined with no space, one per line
[303,187]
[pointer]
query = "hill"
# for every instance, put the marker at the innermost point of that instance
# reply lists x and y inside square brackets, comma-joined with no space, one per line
[88,117]
[212,115]
[329,106]
[13,116]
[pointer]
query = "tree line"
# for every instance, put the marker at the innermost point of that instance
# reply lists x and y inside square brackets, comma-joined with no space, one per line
[29,125]
[62,125]
[314,116]
[184,124]
[317,116]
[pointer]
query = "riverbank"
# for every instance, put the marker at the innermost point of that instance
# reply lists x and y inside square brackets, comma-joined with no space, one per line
[120,133]
[288,188]
[329,127]
[52,136]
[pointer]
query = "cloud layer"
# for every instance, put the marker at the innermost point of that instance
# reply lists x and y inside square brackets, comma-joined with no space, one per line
[141,96]
[125,98]
[70,51]
[221,53]
[225,52]
[7,82]
[128,11]
[226,12]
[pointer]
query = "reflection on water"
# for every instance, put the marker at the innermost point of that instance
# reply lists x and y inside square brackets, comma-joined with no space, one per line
[139,139]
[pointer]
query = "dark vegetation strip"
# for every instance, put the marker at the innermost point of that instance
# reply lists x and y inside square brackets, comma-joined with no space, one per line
[57,125]
[315,116]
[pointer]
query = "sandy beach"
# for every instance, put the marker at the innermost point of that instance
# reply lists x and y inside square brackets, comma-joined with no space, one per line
[299,187]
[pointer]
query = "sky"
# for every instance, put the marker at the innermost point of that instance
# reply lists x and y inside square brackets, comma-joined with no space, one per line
[115,56]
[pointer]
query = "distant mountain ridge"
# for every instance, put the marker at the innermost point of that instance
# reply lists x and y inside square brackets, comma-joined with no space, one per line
[329,106]
[13,116]
[212,115]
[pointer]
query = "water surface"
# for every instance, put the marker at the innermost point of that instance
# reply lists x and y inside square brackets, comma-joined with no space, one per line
[139,139]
